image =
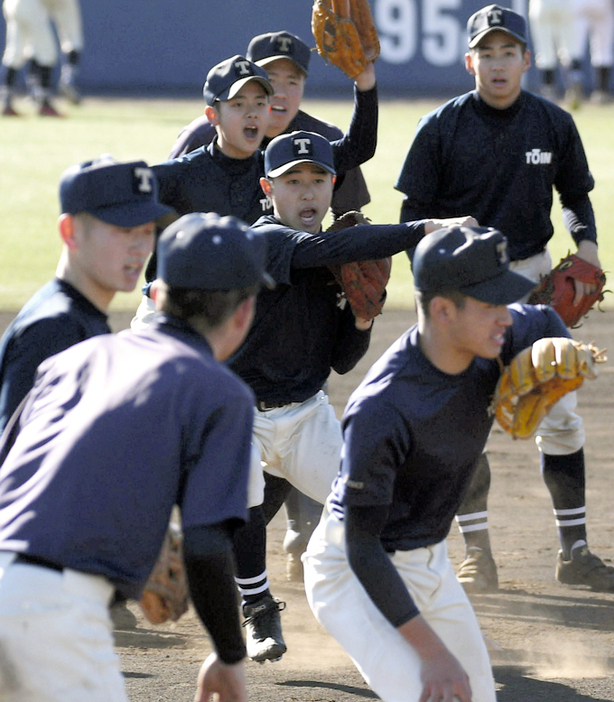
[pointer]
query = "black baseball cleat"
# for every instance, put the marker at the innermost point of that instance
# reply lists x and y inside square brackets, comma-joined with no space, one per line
[262,624]
[585,568]
[478,572]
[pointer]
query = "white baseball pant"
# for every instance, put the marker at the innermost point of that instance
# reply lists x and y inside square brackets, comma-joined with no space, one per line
[66,15]
[389,665]
[551,23]
[561,432]
[301,442]
[594,23]
[56,636]
[28,34]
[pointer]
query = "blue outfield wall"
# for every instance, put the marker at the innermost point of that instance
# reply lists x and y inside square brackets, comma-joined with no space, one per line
[157,46]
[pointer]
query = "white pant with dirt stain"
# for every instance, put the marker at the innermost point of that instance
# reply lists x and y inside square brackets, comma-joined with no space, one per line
[389,665]
[56,636]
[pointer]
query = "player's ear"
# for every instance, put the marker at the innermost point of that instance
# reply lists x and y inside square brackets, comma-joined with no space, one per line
[440,309]
[212,116]
[526,60]
[267,187]
[66,227]
[469,63]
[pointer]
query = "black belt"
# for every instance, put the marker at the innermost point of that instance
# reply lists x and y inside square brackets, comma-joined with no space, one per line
[264,405]
[38,561]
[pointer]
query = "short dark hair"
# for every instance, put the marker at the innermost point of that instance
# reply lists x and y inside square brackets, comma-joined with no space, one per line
[214,307]
[424,299]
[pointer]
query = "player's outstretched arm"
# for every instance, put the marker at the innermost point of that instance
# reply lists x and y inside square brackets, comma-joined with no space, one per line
[227,682]
[443,677]
[463,221]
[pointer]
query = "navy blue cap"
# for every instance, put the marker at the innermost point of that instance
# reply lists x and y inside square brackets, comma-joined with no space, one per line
[208,252]
[122,194]
[228,77]
[269,47]
[287,150]
[495,17]
[472,260]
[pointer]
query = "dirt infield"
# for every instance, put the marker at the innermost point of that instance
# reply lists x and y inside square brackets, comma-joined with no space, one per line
[549,643]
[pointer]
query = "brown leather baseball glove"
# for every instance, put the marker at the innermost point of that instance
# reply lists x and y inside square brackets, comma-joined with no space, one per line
[166,593]
[363,282]
[537,378]
[557,289]
[345,34]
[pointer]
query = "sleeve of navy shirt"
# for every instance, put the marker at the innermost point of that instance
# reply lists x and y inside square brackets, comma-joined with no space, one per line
[25,352]
[360,141]
[199,132]
[573,183]
[351,344]
[530,323]
[420,174]
[289,248]
[372,450]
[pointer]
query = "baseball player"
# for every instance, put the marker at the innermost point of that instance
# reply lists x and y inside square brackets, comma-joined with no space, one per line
[66,17]
[377,574]
[552,31]
[285,57]
[594,24]
[496,153]
[87,423]
[224,177]
[107,224]
[299,334]
[28,35]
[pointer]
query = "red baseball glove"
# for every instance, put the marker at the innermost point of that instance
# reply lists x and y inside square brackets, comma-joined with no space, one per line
[557,289]
[363,282]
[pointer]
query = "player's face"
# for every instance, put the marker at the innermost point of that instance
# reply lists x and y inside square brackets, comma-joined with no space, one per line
[478,329]
[288,81]
[301,196]
[242,122]
[107,259]
[498,64]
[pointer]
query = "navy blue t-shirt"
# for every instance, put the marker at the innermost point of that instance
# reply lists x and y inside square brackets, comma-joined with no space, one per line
[299,332]
[56,317]
[500,166]
[115,431]
[413,434]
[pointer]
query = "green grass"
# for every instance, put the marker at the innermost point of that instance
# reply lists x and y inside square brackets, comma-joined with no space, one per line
[34,152]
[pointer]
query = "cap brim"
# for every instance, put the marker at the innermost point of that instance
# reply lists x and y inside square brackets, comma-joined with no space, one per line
[287,166]
[269,59]
[505,289]
[236,87]
[131,215]
[477,39]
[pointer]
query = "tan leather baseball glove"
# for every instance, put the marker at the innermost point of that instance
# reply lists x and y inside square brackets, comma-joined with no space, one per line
[166,593]
[537,378]
[345,34]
